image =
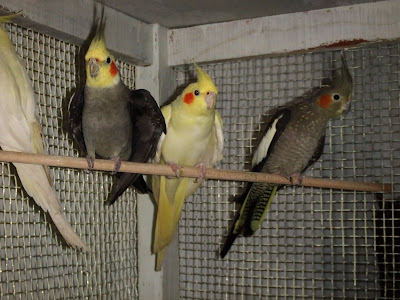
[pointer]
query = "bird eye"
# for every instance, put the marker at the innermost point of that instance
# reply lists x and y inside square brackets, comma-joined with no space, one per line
[108,60]
[196,92]
[336,97]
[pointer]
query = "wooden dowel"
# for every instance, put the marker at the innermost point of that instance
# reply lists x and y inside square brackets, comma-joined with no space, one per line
[155,169]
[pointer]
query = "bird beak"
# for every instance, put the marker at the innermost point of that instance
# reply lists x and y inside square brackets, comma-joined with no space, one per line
[93,67]
[346,106]
[210,100]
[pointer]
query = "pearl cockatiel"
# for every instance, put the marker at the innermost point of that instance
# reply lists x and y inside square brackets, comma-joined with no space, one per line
[21,132]
[110,121]
[194,138]
[293,141]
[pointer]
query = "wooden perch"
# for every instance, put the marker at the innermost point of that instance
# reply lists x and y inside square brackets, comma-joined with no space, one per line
[155,169]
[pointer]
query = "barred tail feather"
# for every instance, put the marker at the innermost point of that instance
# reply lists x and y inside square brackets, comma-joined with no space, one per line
[255,194]
[260,210]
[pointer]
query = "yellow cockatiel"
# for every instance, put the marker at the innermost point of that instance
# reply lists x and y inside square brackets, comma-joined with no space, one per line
[194,138]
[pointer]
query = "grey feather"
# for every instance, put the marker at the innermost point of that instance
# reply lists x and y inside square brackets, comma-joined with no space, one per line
[129,126]
[296,135]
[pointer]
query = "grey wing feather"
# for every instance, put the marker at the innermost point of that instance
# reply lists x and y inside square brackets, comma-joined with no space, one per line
[317,153]
[280,119]
[75,109]
[148,125]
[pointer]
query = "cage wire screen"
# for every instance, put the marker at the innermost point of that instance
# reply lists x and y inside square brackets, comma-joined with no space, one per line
[314,243]
[35,261]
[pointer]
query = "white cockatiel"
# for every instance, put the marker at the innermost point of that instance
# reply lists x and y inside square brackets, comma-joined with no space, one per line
[21,132]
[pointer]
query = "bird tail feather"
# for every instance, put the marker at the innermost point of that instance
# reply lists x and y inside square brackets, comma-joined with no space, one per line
[35,181]
[125,180]
[250,216]
[261,208]
[160,259]
[168,213]
[67,231]
[228,243]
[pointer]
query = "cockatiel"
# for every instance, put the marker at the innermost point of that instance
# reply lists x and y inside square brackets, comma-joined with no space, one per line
[110,121]
[21,132]
[293,141]
[194,138]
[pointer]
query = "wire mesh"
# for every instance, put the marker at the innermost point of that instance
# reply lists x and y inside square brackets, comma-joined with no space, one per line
[35,262]
[314,243]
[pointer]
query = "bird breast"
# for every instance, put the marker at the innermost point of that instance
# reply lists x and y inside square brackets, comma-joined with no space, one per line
[187,145]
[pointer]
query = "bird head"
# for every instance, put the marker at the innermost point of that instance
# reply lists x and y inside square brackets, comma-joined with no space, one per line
[101,70]
[335,99]
[201,95]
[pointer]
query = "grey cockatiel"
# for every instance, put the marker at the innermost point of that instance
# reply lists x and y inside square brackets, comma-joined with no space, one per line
[293,140]
[111,121]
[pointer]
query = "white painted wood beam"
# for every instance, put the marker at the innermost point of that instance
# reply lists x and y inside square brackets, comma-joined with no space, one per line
[159,79]
[72,20]
[338,27]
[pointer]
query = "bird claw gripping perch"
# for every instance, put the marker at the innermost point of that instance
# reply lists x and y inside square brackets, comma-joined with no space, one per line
[90,161]
[296,179]
[176,168]
[202,167]
[117,166]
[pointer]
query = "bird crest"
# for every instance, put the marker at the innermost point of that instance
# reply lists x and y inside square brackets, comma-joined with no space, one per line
[335,98]
[204,81]
[97,47]
[342,78]
[101,69]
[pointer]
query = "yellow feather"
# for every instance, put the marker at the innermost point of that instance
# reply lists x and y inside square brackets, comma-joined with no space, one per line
[98,50]
[194,136]
[171,211]
[160,259]
[204,81]
[171,206]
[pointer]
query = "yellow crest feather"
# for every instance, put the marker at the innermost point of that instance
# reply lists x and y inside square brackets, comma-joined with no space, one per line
[204,81]
[98,47]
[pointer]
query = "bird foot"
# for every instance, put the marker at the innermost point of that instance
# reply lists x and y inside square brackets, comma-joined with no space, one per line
[296,179]
[202,167]
[176,168]
[90,161]
[117,165]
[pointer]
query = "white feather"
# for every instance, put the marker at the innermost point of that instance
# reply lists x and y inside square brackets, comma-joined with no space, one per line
[157,157]
[20,131]
[265,143]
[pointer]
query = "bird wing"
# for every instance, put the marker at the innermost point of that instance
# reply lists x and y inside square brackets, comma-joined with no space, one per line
[148,126]
[317,153]
[75,108]
[218,137]
[258,197]
[213,154]
[273,131]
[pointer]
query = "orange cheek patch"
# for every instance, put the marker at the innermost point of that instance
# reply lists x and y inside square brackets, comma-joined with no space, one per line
[188,98]
[325,101]
[113,69]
